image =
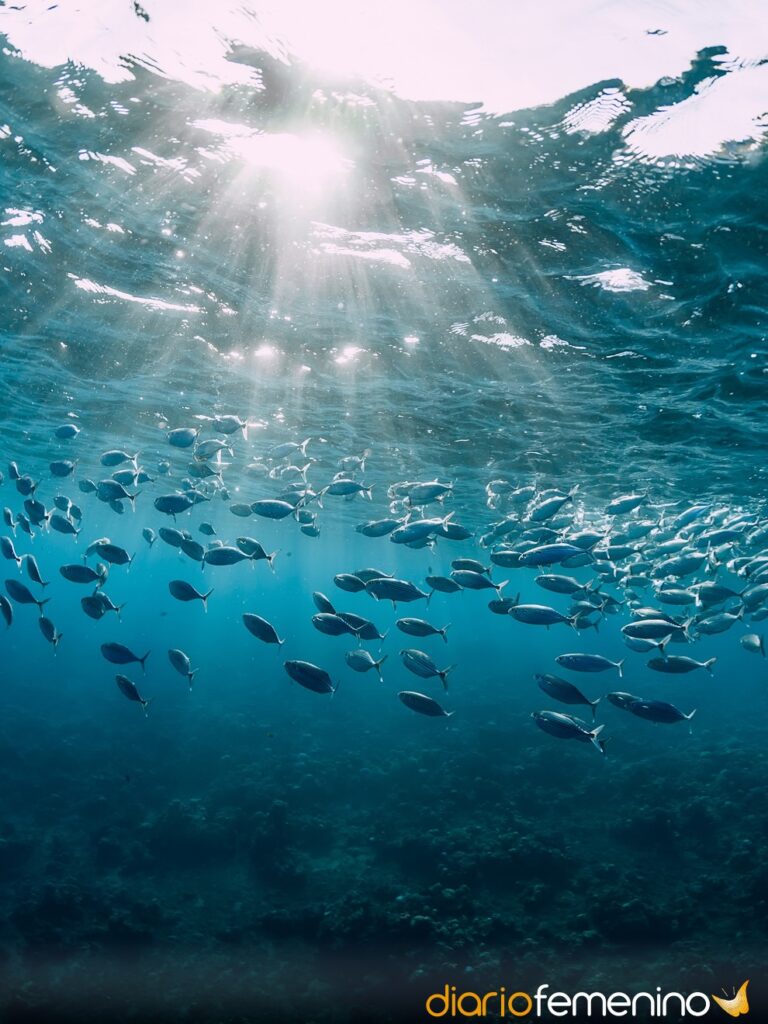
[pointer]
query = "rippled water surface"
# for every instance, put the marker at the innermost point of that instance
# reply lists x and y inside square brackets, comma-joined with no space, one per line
[469,244]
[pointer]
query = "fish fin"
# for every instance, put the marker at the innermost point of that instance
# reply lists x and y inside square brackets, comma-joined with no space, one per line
[594,738]
[708,665]
[620,667]
[498,587]
[444,631]
[145,704]
[444,675]
[143,660]
[663,644]
[593,704]
[191,676]
[41,603]
[205,598]
[271,558]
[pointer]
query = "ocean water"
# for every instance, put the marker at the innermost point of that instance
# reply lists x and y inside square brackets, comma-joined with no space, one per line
[467,246]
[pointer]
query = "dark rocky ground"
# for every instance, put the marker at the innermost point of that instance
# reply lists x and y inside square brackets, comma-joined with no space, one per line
[295,883]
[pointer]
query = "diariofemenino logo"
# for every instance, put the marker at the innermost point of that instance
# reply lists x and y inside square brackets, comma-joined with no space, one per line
[450,1003]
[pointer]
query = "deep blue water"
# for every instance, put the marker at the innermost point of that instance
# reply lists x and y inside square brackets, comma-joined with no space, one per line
[475,250]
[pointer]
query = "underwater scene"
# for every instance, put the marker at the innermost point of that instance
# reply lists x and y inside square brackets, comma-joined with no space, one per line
[383,480]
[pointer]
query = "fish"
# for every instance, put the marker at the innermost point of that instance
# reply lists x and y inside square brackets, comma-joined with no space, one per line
[261,629]
[33,571]
[471,565]
[345,488]
[310,676]
[272,508]
[224,555]
[443,584]
[97,605]
[659,711]
[422,665]
[66,432]
[476,581]
[626,503]
[21,594]
[62,468]
[753,642]
[6,609]
[675,665]
[363,661]
[129,689]
[539,615]
[349,582]
[378,527]
[362,627]
[49,631]
[116,457]
[118,654]
[113,553]
[173,504]
[184,591]
[79,573]
[423,704]
[419,627]
[182,437]
[331,624]
[568,727]
[241,509]
[182,664]
[588,663]
[9,551]
[61,524]
[564,691]
[322,603]
[149,535]
[388,589]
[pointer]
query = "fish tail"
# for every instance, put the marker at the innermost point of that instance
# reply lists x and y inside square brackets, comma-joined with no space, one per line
[119,609]
[498,587]
[145,704]
[191,676]
[708,665]
[271,558]
[593,704]
[444,631]
[594,734]
[41,603]
[444,675]
[620,667]
[378,665]
[663,643]
[205,598]
[143,660]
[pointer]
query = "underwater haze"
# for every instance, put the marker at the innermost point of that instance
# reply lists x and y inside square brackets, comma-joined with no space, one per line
[458,315]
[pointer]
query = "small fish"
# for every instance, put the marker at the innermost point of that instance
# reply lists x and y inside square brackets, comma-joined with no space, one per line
[539,615]
[621,700]
[568,727]
[423,704]
[112,553]
[363,661]
[118,654]
[182,437]
[183,591]
[272,508]
[182,664]
[21,594]
[255,551]
[130,691]
[588,663]
[659,711]
[753,642]
[87,486]
[241,509]
[419,627]
[422,665]
[9,551]
[476,581]
[6,608]
[61,524]
[564,691]
[149,535]
[78,573]
[66,432]
[261,629]
[310,676]
[33,571]
[207,530]
[443,584]
[349,582]
[116,457]
[49,631]
[225,555]
[386,589]
[97,605]
[674,665]
[62,468]
[471,565]
[331,624]
[173,504]
[378,527]
[322,603]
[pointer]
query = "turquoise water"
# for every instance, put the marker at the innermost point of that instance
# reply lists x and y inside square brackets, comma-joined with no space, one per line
[455,248]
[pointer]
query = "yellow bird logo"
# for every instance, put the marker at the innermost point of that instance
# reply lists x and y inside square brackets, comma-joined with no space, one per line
[736,1006]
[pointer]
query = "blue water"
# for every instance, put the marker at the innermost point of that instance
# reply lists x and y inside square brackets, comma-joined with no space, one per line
[474,248]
